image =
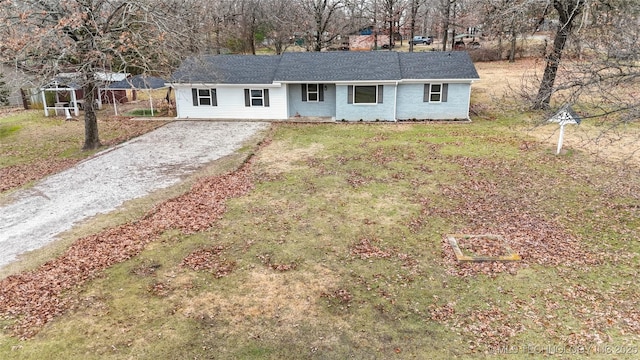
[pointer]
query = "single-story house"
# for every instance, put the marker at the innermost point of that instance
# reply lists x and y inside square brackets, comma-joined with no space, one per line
[352,86]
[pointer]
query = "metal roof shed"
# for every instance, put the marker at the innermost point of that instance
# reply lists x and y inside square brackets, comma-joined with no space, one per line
[138,82]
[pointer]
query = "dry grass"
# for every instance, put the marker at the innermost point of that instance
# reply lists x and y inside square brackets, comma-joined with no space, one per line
[497,91]
[360,210]
[34,146]
[291,298]
[281,157]
[499,78]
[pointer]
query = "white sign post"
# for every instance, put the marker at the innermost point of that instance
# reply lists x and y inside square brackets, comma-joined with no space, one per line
[564,116]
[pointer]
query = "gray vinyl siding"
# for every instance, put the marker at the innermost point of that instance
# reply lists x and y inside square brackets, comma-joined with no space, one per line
[411,105]
[365,112]
[324,108]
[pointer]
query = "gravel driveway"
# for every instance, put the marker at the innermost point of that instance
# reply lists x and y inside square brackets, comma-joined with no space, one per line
[100,184]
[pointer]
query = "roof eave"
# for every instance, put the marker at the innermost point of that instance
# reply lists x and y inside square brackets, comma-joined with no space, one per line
[213,84]
[443,80]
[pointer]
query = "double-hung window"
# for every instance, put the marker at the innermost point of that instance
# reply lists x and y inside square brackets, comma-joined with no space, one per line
[256,97]
[312,92]
[204,97]
[435,93]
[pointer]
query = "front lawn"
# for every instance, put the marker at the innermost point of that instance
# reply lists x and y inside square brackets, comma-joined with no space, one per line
[338,249]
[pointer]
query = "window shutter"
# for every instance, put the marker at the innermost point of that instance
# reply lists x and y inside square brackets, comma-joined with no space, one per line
[425,97]
[380,92]
[445,90]
[247,98]
[304,92]
[214,97]
[350,94]
[320,92]
[266,97]
[194,95]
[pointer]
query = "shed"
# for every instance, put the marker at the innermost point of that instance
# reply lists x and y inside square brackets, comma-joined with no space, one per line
[138,82]
[67,88]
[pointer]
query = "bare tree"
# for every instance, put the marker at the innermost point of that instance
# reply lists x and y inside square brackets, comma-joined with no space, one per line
[568,12]
[414,7]
[447,11]
[322,22]
[605,82]
[513,19]
[392,13]
[88,37]
[281,21]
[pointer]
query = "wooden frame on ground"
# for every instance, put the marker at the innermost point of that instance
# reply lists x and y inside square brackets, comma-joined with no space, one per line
[506,254]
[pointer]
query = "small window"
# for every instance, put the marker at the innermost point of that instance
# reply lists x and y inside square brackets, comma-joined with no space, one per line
[204,97]
[435,94]
[257,97]
[312,92]
[365,94]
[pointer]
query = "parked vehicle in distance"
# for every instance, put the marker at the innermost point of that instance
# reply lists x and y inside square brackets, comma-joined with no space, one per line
[425,40]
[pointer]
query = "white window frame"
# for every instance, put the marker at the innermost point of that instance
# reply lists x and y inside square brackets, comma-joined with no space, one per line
[375,98]
[316,92]
[432,93]
[208,97]
[252,97]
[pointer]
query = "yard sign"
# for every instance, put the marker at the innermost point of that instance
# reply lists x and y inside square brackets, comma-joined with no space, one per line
[564,116]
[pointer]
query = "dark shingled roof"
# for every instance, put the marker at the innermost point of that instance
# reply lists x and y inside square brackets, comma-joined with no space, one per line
[325,67]
[139,82]
[338,66]
[437,65]
[227,69]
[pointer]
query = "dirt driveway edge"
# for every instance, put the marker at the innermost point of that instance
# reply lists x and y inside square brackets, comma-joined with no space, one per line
[34,217]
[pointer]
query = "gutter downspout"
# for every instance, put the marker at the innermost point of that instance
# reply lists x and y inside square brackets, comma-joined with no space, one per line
[395,104]
[469,101]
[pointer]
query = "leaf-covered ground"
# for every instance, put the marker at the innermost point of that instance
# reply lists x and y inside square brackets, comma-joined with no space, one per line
[330,243]
[36,297]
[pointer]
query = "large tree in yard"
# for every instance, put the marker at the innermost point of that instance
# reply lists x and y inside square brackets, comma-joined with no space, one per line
[603,75]
[47,37]
[569,12]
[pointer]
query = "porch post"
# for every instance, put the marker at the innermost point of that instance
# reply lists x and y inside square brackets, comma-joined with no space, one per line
[74,101]
[44,102]
[150,101]
[560,138]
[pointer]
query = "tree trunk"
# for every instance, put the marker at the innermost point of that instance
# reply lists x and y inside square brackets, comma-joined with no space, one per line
[391,33]
[567,14]
[318,46]
[445,26]
[91,139]
[512,51]
[412,29]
